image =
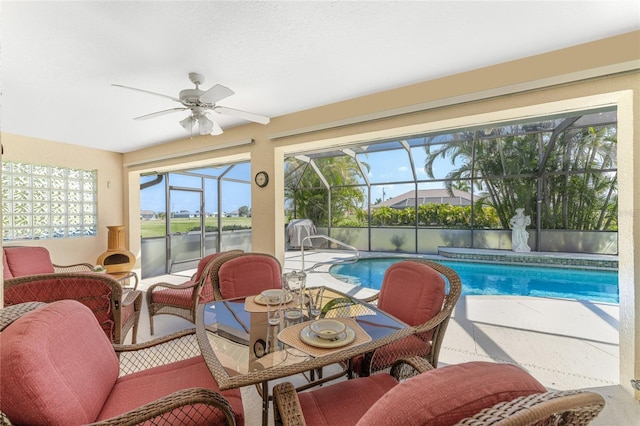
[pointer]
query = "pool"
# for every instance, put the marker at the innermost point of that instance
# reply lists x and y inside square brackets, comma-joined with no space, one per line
[501,279]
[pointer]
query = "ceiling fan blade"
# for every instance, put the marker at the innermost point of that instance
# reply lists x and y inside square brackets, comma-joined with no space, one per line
[217,130]
[146,91]
[159,113]
[242,114]
[216,94]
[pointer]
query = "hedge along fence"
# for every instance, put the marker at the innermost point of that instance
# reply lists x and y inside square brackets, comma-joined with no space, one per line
[440,215]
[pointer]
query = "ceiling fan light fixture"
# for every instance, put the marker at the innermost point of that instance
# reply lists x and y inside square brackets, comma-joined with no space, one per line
[188,123]
[205,125]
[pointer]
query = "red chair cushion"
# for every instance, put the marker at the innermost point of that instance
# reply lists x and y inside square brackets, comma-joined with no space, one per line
[137,389]
[247,275]
[345,402]
[206,293]
[28,260]
[446,395]
[203,264]
[412,292]
[57,367]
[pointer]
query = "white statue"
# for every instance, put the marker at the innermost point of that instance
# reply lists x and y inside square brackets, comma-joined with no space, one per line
[519,234]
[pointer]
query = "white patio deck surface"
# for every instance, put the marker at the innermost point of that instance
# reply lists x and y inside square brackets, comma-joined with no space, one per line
[565,344]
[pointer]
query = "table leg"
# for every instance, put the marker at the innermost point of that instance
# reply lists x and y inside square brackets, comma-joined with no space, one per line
[265,403]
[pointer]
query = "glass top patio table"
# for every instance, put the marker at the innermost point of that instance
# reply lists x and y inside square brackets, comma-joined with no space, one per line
[242,349]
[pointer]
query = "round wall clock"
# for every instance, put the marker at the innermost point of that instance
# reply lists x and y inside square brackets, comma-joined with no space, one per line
[262,179]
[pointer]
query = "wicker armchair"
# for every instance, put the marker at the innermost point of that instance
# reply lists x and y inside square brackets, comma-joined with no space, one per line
[117,311]
[415,292]
[80,378]
[472,394]
[244,275]
[182,299]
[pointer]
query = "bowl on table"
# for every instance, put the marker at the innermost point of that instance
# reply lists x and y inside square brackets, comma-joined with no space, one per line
[327,328]
[274,295]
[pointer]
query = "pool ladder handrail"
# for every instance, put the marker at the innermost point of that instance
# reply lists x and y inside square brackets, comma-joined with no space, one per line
[353,259]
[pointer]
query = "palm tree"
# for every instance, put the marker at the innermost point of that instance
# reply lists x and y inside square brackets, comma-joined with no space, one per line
[578,178]
[311,197]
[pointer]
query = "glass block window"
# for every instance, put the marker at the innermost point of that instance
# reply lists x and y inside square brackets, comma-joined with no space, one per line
[44,202]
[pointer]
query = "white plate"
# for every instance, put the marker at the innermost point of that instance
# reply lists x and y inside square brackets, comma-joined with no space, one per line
[311,338]
[261,300]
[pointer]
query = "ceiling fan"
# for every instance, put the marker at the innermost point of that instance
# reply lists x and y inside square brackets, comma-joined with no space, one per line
[200,103]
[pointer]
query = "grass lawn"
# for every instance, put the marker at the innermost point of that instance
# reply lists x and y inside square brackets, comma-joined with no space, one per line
[157,227]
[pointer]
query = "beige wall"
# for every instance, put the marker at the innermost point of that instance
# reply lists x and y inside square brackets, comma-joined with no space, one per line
[597,74]
[110,199]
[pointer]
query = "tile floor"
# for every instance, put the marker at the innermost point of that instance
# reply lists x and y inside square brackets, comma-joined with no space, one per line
[564,344]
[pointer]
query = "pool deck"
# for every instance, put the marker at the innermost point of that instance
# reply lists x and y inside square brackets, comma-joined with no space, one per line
[565,344]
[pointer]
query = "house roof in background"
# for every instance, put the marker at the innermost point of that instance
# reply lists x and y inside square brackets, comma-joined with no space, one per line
[427,196]
[59,59]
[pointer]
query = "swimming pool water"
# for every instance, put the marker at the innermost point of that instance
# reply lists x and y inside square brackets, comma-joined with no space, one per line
[500,279]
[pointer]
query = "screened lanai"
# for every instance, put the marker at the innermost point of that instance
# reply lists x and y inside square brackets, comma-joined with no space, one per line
[459,188]
[176,206]
[413,194]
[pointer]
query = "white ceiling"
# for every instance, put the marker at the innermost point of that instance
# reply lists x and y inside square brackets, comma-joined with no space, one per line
[58,59]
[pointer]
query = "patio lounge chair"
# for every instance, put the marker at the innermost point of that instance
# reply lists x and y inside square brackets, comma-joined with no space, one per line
[182,299]
[473,393]
[58,368]
[415,292]
[117,311]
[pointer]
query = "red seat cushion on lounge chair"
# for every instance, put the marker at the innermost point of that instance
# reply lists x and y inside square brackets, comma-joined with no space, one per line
[444,396]
[56,367]
[26,260]
[326,407]
[146,386]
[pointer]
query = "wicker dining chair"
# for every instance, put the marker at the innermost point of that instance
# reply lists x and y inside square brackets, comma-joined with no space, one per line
[77,377]
[471,394]
[182,300]
[423,294]
[245,274]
